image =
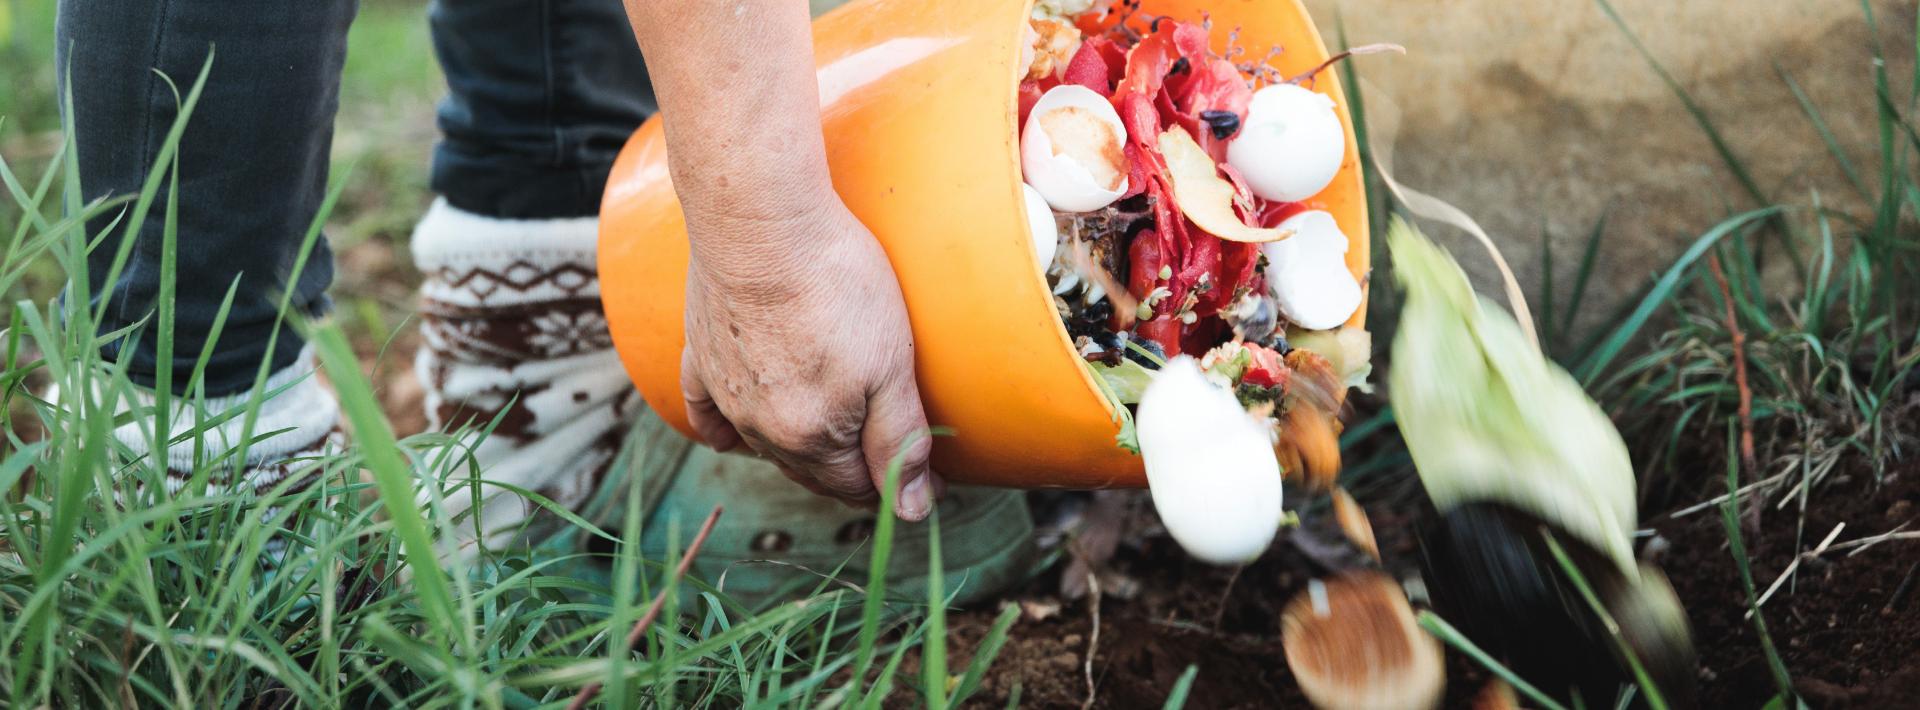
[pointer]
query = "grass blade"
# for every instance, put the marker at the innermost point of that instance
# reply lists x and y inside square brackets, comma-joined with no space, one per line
[1452,636]
[395,484]
[1579,293]
[1177,698]
[1826,134]
[984,655]
[1620,336]
[1655,699]
[1730,518]
[933,653]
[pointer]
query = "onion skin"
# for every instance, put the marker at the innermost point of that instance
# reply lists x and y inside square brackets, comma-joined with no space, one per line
[1353,644]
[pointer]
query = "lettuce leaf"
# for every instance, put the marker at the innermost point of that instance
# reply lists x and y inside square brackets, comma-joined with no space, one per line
[1487,418]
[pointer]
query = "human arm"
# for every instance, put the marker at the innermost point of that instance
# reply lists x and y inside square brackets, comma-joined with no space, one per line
[797,338]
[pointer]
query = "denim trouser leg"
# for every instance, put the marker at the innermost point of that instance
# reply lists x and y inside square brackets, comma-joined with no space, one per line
[253,162]
[541,96]
[542,93]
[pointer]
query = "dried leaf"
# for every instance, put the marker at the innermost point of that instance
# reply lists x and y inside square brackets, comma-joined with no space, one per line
[1309,444]
[1353,522]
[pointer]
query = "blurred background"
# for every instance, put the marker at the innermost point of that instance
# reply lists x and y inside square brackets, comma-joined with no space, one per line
[1541,118]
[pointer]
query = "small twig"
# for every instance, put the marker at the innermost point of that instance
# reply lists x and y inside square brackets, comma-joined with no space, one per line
[1898,600]
[1865,543]
[1220,609]
[1377,48]
[1722,498]
[1093,639]
[587,694]
[1747,460]
[1795,565]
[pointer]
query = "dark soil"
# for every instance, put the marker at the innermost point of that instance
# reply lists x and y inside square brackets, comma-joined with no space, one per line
[1847,625]
[1848,628]
[1178,617]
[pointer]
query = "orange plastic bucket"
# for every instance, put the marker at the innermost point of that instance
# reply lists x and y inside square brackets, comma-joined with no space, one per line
[919,101]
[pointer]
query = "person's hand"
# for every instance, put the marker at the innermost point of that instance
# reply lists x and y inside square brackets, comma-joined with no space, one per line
[798,346]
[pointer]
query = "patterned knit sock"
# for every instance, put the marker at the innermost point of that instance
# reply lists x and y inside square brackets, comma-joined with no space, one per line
[510,310]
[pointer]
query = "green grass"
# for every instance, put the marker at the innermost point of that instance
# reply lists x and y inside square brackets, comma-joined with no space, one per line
[114,595]
[1737,546]
[1832,345]
[1830,348]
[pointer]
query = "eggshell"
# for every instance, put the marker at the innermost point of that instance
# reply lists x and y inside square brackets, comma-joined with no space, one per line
[1046,232]
[1290,145]
[1210,466]
[1308,272]
[1072,149]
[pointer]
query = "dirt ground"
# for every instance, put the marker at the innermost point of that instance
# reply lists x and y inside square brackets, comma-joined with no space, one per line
[1848,624]
[1848,627]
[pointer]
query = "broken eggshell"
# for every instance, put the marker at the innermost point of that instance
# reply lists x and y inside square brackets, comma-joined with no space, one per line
[1210,466]
[1072,149]
[1291,144]
[1308,272]
[1040,224]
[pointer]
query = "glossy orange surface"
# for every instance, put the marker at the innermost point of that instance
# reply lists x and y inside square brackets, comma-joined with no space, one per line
[919,105]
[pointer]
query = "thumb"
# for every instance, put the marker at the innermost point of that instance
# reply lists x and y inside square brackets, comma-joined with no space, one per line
[897,427]
[702,412]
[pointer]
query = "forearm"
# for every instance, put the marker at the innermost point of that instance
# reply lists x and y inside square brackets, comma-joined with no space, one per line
[736,85]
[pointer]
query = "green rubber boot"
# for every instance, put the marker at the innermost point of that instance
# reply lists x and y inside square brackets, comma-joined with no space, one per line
[776,540]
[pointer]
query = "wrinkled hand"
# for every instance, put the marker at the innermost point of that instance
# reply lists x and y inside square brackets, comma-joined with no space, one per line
[798,346]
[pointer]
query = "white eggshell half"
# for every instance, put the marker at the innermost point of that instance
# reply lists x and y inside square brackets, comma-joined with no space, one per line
[1318,299]
[1210,466]
[1290,145]
[1316,234]
[1064,181]
[1308,272]
[1046,233]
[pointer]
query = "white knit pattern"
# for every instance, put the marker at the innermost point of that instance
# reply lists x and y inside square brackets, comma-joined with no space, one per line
[471,260]
[510,318]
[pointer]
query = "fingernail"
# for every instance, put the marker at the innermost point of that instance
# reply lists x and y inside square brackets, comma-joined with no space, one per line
[916,500]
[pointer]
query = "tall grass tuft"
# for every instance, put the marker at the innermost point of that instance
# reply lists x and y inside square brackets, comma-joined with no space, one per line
[1830,348]
[115,594]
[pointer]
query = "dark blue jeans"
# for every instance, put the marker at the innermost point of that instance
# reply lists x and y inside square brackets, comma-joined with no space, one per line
[541,95]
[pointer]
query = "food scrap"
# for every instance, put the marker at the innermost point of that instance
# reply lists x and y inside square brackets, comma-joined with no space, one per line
[1189,260]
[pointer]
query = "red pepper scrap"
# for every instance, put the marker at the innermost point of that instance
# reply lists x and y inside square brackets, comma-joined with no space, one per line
[1171,78]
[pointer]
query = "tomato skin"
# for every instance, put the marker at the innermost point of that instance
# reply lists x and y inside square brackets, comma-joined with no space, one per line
[1144,259]
[1163,330]
[1276,212]
[1094,66]
[1267,369]
[1147,65]
[1202,335]
[1170,78]
[1029,95]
